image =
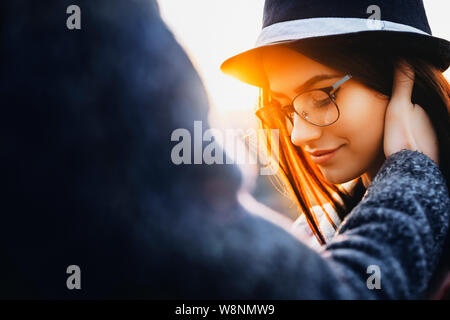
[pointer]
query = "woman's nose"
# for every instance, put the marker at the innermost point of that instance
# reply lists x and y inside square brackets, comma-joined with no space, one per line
[304,132]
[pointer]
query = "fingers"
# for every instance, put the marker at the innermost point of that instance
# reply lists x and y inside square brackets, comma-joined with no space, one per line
[403,82]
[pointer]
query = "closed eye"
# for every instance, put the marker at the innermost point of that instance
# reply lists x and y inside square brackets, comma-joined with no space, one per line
[327,101]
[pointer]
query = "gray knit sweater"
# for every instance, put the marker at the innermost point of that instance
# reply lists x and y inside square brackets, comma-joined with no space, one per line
[387,247]
[399,227]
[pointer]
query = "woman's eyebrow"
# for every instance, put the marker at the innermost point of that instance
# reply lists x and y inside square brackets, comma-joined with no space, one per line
[308,84]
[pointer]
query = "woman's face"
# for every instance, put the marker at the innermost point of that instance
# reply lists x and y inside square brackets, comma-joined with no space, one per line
[359,130]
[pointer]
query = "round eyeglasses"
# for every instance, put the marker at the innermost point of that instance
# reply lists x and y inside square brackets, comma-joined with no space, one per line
[317,106]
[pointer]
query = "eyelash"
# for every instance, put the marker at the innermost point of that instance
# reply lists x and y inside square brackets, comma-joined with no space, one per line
[287,107]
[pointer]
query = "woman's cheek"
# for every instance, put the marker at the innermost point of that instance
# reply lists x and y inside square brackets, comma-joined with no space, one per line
[363,123]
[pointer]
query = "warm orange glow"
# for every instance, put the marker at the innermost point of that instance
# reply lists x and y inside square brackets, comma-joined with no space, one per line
[213,30]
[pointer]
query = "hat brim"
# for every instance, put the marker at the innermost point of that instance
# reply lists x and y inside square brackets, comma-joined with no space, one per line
[247,66]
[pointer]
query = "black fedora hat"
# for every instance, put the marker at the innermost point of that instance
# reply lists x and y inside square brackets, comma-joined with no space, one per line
[394,23]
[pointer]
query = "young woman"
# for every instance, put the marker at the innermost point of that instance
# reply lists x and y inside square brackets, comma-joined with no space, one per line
[327,82]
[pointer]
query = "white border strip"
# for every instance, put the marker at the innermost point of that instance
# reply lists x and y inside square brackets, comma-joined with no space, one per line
[316,27]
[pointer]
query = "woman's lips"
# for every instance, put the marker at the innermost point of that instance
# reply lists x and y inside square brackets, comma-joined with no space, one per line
[324,157]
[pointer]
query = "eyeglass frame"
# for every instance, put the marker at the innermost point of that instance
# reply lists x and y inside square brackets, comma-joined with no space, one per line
[330,91]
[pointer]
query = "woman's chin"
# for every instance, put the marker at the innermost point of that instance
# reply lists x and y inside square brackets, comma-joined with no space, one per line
[336,176]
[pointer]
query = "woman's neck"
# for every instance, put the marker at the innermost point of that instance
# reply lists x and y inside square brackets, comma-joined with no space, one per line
[370,174]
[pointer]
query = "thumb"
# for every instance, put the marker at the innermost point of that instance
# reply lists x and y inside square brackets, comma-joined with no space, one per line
[403,82]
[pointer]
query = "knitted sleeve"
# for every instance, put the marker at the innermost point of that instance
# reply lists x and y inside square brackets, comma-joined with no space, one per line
[389,244]
[387,247]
